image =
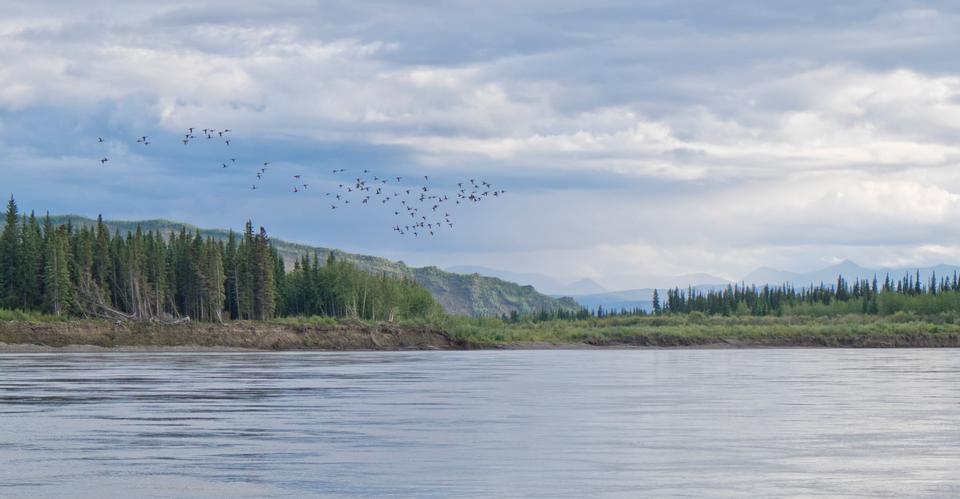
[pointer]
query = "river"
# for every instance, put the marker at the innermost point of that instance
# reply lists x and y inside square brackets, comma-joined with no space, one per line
[543,423]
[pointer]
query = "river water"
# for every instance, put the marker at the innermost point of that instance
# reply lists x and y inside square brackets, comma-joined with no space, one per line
[560,423]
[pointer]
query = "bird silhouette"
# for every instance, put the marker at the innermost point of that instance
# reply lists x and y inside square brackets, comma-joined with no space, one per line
[363,188]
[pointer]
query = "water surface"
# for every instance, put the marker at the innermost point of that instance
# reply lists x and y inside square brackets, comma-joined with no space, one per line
[616,423]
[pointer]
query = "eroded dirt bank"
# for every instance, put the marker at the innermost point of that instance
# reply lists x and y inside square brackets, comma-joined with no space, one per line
[236,335]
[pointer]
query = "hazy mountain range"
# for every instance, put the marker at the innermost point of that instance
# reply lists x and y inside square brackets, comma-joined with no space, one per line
[848,269]
[642,297]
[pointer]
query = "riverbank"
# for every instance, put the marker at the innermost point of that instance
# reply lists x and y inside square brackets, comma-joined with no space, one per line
[697,330]
[92,335]
[458,333]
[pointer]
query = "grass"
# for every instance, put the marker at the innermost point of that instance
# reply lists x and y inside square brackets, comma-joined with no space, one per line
[897,329]
[28,316]
[696,329]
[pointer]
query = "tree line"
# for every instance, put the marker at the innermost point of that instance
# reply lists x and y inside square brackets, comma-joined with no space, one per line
[865,296]
[909,293]
[91,272]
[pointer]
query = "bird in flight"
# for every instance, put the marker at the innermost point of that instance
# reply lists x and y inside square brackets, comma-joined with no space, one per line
[363,190]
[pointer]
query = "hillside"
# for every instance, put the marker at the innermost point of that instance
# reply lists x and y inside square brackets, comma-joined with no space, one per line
[460,294]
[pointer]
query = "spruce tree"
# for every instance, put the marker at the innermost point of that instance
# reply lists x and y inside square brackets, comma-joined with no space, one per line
[58,292]
[9,257]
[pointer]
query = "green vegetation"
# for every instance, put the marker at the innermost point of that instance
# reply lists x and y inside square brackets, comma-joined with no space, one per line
[61,270]
[340,289]
[28,316]
[899,329]
[905,311]
[460,294]
[908,294]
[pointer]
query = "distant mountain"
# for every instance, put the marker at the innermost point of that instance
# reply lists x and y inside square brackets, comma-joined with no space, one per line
[848,269]
[543,283]
[583,287]
[661,281]
[458,294]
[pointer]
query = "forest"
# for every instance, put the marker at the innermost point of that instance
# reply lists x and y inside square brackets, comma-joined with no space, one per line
[871,297]
[89,272]
[907,294]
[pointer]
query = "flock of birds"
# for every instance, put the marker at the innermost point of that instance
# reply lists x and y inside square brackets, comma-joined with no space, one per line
[420,208]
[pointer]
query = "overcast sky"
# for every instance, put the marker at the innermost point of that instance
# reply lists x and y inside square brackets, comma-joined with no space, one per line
[635,137]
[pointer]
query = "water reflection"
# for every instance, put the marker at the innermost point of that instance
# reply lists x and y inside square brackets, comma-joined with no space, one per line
[505,423]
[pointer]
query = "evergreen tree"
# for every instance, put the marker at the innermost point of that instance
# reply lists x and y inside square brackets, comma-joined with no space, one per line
[9,257]
[58,292]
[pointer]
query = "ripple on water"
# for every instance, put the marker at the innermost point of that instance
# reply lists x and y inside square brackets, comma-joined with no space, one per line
[506,423]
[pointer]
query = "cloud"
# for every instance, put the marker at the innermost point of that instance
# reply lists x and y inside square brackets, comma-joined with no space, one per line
[633,136]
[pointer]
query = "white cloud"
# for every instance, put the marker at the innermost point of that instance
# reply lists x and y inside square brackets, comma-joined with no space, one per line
[763,149]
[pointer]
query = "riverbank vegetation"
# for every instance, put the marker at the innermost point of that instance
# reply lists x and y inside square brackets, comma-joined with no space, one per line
[458,332]
[697,329]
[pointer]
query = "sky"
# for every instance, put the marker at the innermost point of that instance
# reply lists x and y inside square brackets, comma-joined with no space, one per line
[632,138]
